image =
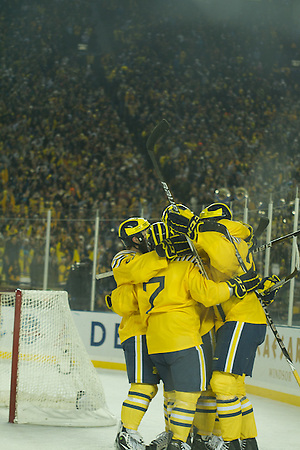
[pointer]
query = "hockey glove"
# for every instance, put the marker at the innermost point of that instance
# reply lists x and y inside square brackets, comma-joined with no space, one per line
[247,282]
[264,287]
[184,222]
[251,239]
[173,247]
[177,220]
[156,233]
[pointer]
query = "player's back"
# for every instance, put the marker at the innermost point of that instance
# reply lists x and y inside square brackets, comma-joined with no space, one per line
[171,314]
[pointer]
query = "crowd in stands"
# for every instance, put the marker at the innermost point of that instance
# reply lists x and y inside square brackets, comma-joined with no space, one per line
[83,83]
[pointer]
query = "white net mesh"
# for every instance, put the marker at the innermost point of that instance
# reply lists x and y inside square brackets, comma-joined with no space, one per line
[56,382]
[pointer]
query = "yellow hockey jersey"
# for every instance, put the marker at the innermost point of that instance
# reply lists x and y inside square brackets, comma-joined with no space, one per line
[169,304]
[223,264]
[130,267]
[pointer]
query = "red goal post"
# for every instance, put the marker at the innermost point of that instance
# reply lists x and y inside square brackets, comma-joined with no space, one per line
[46,375]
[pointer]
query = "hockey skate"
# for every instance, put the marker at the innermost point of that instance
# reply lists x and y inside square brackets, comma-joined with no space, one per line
[129,440]
[205,442]
[215,441]
[160,442]
[229,445]
[178,445]
[249,444]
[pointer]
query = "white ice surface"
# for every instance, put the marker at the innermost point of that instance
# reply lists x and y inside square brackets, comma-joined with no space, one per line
[278,424]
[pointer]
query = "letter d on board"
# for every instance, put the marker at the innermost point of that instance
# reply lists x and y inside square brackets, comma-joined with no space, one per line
[100,339]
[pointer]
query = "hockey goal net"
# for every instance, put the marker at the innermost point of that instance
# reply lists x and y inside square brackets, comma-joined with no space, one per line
[46,375]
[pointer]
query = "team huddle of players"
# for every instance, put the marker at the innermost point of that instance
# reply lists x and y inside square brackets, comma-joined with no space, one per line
[190,301]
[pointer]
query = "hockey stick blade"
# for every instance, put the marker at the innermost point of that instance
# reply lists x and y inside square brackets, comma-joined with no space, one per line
[160,129]
[154,137]
[263,223]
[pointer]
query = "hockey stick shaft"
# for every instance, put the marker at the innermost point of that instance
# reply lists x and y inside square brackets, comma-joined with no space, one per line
[154,137]
[276,241]
[281,344]
[268,317]
[156,134]
[282,282]
[99,276]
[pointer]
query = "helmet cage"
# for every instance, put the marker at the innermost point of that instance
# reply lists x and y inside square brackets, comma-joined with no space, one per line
[134,227]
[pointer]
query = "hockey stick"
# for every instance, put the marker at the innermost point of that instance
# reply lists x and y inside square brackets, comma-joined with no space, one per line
[99,276]
[268,317]
[271,323]
[281,344]
[158,131]
[275,241]
[263,223]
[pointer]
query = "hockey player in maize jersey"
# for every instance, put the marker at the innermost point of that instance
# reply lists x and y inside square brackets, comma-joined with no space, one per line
[158,232]
[134,265]
[169,304]
[240,326]
[131,266]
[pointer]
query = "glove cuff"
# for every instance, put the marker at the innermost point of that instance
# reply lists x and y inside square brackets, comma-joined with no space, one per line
[193,227]
[238,287]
